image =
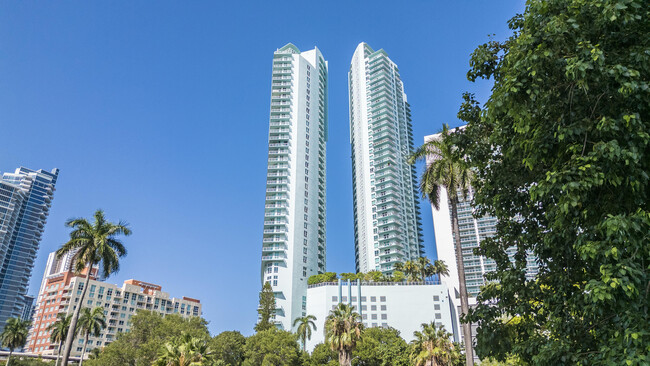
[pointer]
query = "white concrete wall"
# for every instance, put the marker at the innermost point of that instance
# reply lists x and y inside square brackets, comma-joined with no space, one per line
[407,306]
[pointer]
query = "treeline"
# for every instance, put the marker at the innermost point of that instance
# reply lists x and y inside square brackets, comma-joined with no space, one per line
[155,340]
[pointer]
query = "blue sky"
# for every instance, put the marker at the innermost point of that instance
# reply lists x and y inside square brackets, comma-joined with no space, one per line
[157,112]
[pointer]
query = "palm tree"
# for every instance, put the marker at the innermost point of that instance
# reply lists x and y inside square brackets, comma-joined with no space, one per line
[411,270]
[343,330]
[432,347]
[59,331]
[425,268]
[14,335]
[186,351]
[91,322]
[440,268]
[451,172]
[305,324]
[93,244]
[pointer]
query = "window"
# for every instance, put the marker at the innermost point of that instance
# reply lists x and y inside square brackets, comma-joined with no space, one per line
[373,299]
[438,316]
[382,298]
[304,259]
[373,307]
[335,299]
[436,298]
[384,316]
[344,299]
[383,307]
[436,307]
[373,316]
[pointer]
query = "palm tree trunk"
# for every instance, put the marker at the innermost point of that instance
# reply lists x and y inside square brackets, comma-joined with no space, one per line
[464,302]
[11,350]
[344,358]
[83,351]
[58,353]
[75,317]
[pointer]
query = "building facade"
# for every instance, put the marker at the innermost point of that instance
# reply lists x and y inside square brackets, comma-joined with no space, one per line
[472,231]
[294,217]
[403,306]
[25,200]
[387,224]
[61,294]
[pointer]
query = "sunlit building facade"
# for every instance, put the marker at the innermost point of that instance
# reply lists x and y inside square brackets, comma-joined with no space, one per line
[25,199]
[293,244]
[387,224]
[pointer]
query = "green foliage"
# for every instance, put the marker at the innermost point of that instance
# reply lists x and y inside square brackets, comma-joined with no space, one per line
[14,335]
[374,276]
[266,308]
[149,332]
[323,355]
[351,276]
[343,329]
[562,154]
[381,347]
[229,347]
[433,346]
[185,351]
[398,276]
[272,347]
[305,325]
[323,277]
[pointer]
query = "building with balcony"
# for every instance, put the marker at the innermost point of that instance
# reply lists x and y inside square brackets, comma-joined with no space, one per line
[403,306]
[25,200]
[61,293]
[293,243]
[387,224]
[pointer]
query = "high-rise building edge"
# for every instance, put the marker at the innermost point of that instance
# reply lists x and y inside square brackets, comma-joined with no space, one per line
[294,239]
[387,224]
[25,200]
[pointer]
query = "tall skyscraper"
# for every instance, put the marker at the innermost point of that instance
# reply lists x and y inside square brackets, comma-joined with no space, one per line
[294,216]
[387,224]
[25,199]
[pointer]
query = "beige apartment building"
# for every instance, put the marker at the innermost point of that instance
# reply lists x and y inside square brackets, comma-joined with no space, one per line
[60,292]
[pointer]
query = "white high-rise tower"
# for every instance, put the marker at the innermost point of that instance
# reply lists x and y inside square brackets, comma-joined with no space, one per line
[294,216]
[387,225]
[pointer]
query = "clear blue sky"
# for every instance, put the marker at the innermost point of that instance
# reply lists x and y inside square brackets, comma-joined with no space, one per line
[157,112]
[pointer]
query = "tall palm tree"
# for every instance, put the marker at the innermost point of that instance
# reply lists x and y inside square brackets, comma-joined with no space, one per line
[343,329]
[59,331]
[93,244]
[451,172]
[305,324]
[186,351]
[91,322]
[14,335]
[433,347]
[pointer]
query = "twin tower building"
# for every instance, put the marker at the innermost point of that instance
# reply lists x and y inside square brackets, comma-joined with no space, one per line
[387,225]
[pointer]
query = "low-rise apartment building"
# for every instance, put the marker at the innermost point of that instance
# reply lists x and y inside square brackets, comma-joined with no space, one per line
[61,293]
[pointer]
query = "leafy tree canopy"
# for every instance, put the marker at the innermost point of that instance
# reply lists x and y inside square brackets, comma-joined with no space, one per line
[229,347]
[266,309]
[272,347]
[561,151]
[381,347]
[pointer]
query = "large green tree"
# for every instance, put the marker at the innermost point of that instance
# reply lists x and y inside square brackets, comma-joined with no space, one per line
[185,351]
[149,332]
[59,331]
[14,335]
[93,244]
[229,347]
[447,170]
[272,347]
[562,155]
[381,347]
[91,322]
[343,329]
[266,309]
[323,355]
